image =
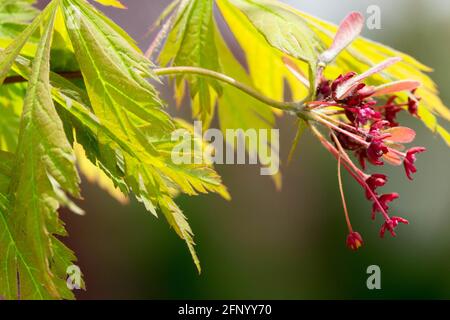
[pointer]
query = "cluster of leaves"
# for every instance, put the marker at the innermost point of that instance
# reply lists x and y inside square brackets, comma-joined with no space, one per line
[113,124]
[117,118]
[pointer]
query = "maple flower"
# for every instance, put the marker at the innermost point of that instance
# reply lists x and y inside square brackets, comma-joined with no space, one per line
[323,89]
[382,203]
[410,159]
[362,119]
[373,182]
[375,151]
[391,224]
[413,104]
[391,110]
[354,241]
[362,113]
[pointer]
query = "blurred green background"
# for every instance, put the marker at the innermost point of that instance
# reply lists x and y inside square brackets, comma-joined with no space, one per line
[290,244]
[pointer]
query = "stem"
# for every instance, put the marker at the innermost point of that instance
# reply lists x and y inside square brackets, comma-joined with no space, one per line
[286,106]
[340,123]
[324,119]
[328,124]
[341,189]
[358,175]
[366,186]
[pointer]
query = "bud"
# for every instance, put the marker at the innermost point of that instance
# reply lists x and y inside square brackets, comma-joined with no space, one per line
[354,241]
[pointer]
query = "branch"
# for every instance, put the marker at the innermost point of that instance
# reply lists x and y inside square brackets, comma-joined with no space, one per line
[286,106]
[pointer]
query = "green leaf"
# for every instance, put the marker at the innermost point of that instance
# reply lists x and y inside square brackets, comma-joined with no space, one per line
[32,266]
[6,164]
[191,43]
[240,111]
[16,11]
[114,73]
[282,29]
[265,63]
[11,103]
[121,123]
[8,55]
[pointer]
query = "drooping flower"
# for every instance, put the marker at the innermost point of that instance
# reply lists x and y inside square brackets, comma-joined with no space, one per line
[410,159]
[375,151]
[354,241]
[382,203]
[391,224]
[374,182]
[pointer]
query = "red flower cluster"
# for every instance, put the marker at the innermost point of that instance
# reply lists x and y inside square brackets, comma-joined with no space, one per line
[362,119]
[371,132]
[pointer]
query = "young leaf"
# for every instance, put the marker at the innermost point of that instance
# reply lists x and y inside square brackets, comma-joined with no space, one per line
[16,11]
[95,175]
[43,162]
[282,29]
[8,55]
[238,110]
[191,43]
[401,135]
[130,132]
[265,63]
[11,103]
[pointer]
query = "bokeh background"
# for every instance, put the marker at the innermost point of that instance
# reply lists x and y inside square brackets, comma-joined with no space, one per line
[290,244]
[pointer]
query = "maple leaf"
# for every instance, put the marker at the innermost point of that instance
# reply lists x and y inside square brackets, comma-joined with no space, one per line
[191,43]
[42,166]
[136,123]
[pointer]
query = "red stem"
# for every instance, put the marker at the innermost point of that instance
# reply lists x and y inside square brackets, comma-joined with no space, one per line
[341,190]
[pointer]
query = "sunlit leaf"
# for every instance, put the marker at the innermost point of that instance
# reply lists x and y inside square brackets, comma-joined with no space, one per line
[282,29]
[236,109]
[112,3]
[95,175]
[8,55]
[43,163]
[130,132]
[16,11]
[191,43]
[265,63]
[11,103]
